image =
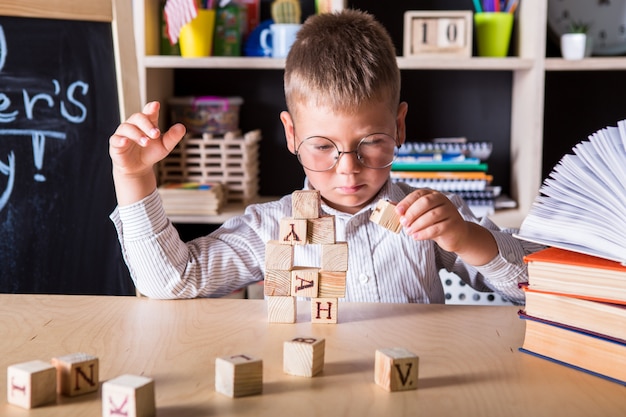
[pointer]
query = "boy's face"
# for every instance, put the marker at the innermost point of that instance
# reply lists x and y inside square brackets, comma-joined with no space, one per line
[349,185]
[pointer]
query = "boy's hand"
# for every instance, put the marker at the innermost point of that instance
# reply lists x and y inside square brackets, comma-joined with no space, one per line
[428,214]
[135,147]
[137,143]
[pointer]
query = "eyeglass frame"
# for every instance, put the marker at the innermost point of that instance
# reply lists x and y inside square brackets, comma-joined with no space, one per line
[340,153]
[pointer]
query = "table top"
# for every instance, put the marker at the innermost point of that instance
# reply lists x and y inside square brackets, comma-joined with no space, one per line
[469,362]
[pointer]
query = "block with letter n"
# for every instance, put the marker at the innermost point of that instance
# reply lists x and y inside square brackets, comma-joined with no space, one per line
[77,373]
[440,33]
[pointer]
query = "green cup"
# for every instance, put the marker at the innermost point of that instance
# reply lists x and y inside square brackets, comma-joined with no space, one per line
[493,33]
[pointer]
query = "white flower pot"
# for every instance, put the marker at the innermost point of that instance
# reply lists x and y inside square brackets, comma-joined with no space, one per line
[573,45]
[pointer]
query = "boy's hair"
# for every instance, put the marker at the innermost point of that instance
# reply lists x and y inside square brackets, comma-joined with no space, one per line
[342,60]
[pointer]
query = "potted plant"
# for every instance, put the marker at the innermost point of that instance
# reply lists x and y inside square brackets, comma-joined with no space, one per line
[574,43]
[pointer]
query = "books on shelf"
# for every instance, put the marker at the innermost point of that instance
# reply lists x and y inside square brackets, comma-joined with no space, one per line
[192,198]
[575,311]
[582,203]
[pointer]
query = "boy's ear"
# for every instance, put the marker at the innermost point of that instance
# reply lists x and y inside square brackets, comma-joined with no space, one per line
[285,117]
[403,108]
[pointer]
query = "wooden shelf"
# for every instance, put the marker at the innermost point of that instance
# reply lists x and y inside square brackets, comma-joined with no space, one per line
[587,64]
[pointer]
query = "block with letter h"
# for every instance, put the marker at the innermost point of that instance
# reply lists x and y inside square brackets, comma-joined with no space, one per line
[284,281]
[396,369]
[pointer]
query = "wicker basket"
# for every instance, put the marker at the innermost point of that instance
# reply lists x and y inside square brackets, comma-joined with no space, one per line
[232,160]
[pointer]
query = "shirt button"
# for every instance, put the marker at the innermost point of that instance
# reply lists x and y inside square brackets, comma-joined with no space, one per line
[363,278]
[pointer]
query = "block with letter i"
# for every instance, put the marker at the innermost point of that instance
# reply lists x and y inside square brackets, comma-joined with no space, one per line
[385,215]
[396,369]
[128,396]
[303,356]
[31,384]
[77,373]
[238,375]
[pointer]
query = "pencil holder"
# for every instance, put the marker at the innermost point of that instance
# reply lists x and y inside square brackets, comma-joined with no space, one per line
[493,33]
[196,37]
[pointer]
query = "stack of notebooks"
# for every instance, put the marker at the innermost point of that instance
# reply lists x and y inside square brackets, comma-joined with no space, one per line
[575,309]
[192,198]
[449,165]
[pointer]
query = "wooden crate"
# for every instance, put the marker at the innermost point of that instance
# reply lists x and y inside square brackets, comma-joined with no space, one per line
[232,160]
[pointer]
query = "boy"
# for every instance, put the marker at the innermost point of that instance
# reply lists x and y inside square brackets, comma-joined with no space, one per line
[344,121]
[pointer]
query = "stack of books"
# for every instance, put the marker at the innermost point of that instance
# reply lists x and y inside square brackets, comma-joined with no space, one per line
[192,198]
[575,309]
[449,165]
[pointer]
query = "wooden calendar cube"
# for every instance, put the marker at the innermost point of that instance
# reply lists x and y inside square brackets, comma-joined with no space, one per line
[441,33]
[303,356]
[396,369]
[238,375]
[128,396]
[77,373]
[31,384]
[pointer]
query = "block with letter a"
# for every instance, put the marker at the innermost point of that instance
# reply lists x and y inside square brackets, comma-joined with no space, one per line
[396,369]
[31,384]
[128,396]
[77,373]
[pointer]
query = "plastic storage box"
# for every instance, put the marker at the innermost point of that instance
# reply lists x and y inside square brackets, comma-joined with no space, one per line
[209,114]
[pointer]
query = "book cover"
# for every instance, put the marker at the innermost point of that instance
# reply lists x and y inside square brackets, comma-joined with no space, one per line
[577,274]
[582,204]
[577,349]
[602,318]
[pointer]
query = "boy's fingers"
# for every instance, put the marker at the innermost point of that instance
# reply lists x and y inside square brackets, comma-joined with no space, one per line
[173,136]
[151,110]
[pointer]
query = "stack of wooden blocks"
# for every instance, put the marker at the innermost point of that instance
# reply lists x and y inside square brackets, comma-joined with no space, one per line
[232,160]
[284,281]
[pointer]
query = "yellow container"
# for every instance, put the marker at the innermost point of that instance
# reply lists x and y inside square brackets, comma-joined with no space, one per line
[493,33]
[196,37]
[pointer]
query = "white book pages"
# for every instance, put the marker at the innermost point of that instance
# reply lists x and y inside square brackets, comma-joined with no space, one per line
[582,204]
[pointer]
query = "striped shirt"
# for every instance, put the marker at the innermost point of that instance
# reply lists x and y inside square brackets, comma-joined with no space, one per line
[382,266]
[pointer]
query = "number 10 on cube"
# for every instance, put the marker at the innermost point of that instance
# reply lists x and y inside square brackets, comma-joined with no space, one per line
[441,33]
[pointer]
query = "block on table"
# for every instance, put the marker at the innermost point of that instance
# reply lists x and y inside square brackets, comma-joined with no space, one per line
[304,282]
[305,204]
[335,257]
[324,310]
[31,384]
[129,396]
[385,215]
[238,375]
[303,356]
[396,369]
[281,309]
[277,282]
[321,230]
[293,231]
[278,256]
[332,284]
[77,373]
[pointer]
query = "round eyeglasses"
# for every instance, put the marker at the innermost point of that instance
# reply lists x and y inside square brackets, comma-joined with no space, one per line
[317,153]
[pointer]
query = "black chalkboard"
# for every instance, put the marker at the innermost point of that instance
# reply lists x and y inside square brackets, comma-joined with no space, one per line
[58,107]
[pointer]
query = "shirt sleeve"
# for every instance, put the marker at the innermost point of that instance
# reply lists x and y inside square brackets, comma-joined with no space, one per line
[163,266]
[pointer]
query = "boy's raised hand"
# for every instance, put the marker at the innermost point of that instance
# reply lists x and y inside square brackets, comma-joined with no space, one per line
[135,147]
[428,214]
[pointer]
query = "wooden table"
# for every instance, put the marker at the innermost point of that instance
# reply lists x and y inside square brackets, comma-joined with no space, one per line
[469,359]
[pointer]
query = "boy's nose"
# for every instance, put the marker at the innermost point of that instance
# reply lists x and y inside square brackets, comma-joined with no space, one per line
[348,164]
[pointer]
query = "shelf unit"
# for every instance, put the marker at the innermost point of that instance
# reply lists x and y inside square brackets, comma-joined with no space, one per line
[527,96]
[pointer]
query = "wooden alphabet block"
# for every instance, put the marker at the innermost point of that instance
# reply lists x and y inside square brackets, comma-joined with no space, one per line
[293,231]
[305,204]
[77,373]
[321,230]
[238,375]
[128,396]
[385,215]
[335,257]
[396,369]
[281,309]
[303,356]
[332,284]
[324,310]
[31,384]
[304,282]
[277,282]
[277,256]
